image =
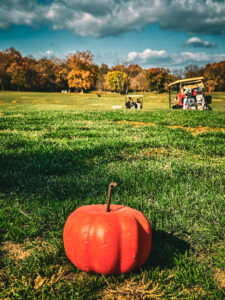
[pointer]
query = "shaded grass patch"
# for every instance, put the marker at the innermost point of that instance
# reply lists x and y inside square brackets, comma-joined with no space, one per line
[53,162]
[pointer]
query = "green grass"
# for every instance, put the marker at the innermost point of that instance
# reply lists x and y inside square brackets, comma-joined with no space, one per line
[52,162]
[90,101]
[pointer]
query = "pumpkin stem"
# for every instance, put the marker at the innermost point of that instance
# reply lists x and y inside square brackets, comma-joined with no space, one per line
[111,185]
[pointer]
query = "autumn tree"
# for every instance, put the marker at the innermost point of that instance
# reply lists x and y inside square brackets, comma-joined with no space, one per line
[17,72]
[133,70]
[193,71]
[79,72]
[179,73]
[116,81]
[120,68]
[32,80]
[48,74]
[18,68]
[101,74]
[158,78]
[8,57]
[139,82]
[4,64]
[62,71]
[215,76]
[82,74]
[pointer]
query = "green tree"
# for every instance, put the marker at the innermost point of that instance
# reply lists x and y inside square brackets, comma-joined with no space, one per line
[116,81]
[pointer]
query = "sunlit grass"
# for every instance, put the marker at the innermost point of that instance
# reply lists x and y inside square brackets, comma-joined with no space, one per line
[89,101]
[168,164]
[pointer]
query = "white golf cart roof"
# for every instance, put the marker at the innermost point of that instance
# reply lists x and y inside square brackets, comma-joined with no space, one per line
[187,80]
[134,96]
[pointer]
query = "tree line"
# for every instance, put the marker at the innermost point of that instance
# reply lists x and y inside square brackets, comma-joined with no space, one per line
[79,73]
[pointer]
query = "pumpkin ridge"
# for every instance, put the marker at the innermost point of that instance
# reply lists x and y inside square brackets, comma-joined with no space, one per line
[129,238]
[84,239]
[105,236]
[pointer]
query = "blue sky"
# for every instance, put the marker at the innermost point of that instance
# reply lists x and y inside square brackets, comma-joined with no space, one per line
[163,33]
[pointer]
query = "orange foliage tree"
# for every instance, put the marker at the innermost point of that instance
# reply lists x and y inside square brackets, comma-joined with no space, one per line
[8,57]
[48,74]
[158,78]
[82,74]
[18,73]
[139,82]
[79,72]
[215,76]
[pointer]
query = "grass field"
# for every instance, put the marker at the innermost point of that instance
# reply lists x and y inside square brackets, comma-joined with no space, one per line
[168,164]
[71,101]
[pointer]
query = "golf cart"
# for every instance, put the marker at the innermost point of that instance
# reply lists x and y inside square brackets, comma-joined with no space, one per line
[190,94]
[134,101]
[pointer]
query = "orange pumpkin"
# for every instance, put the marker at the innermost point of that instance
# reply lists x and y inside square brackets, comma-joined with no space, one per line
[107,239]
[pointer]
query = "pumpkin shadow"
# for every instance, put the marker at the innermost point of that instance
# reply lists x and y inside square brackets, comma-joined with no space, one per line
[165,247]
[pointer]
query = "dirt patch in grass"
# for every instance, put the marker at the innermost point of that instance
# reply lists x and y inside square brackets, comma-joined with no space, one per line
[195,292]
[81,276]
[25,133]
[136,124]
[40,245]
[61,273]
[171,153]
[12,116]
[162,152]
[220,278]
[89,122]
[193,130]
[22,251]
[56,277]
[132,289]
[199,130]
[15,251]
[154,152]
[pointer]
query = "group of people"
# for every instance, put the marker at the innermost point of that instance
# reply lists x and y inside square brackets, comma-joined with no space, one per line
[131,104]
[191,99]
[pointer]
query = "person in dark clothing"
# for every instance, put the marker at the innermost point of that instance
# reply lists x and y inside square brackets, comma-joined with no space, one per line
[129,103]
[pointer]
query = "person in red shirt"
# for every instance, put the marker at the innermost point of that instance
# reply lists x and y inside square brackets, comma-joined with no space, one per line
[195,93]
[179,99]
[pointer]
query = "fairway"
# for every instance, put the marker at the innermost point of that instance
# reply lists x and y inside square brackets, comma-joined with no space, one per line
[57,156]
[90,101]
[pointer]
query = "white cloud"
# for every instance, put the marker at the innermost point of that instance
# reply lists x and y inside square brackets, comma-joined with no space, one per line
[149,56]
[20,12]
[201,57]
[153,58]
[47,53]
[199,43]
[111,17]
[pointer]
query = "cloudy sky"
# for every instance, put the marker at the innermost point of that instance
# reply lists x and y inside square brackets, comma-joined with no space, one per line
[166,33]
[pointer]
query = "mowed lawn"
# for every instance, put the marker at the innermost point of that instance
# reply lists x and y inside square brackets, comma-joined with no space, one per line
[89,101]
[55,157]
